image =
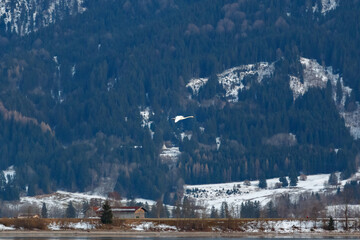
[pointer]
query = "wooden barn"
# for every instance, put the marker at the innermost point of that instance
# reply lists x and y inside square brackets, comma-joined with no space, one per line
[127,212]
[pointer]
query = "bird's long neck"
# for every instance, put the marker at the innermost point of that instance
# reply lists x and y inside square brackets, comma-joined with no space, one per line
[188,117]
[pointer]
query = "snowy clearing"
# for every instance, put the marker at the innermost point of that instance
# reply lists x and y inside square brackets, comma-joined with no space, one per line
[235,193]
[234,79]
[316,75]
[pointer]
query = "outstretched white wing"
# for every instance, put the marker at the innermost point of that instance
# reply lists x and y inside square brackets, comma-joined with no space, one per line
[179,118]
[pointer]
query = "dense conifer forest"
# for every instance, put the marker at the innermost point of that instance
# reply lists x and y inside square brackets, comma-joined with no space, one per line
[72,94]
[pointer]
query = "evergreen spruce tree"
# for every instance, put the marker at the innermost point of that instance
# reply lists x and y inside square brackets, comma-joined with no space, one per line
[339,93]
[147,207]
[224,211]
[153,211]
[262,182]
[214,213]
[293,179]
[166,212]
[333,179]
[284,181]
[70,211]
[250,209]
[107,215]
[271,210]
[44,213]
[331,225]
[2,180]
[2,185]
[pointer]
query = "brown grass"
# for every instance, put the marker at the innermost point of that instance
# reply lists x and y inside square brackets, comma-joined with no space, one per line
[40,223]
[25,223]
[182,224]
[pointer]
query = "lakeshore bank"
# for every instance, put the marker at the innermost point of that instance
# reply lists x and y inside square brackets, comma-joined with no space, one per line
[120,234]
[178,228]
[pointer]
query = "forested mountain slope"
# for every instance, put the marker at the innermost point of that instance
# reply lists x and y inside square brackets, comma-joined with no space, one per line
[87,101]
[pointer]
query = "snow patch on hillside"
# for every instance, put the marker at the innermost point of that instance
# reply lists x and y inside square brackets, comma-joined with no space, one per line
[218,143]
[60,199]
[196,83]
[316,75]
[170,155]
[9,174]
[145,115]
[232,80]
[297,87]
[328,5]
[352,121]
[25,16]
[73,70]
[184,135]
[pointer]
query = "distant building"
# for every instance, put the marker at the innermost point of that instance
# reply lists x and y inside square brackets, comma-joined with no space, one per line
[28,215]
[126,212]
[91,212]
[129,212]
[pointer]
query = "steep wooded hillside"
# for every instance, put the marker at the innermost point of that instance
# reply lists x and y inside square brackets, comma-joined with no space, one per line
[87,100]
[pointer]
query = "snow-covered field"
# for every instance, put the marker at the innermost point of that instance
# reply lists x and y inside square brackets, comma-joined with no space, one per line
[56,203]
[60,199]
[208,195]
[236,193]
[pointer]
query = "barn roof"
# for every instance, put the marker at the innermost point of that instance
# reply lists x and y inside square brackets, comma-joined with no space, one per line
[124,209]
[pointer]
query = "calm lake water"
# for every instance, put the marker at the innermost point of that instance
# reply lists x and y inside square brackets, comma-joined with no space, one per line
[169,238]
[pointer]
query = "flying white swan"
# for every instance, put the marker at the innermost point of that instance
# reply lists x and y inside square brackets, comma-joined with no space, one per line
[179,118]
